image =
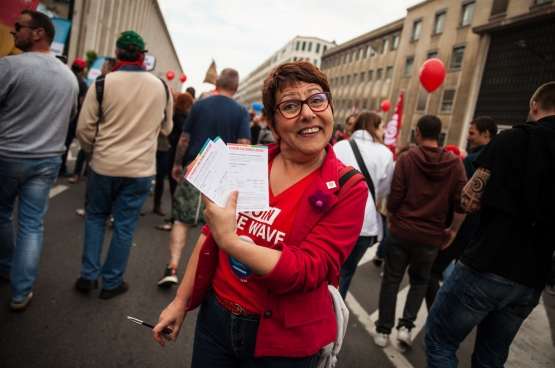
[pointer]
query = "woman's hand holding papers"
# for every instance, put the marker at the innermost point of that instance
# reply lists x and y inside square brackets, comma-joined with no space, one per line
[223,221]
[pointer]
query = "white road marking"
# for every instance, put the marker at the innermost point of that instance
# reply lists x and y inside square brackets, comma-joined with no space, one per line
[57,190]
[532,346]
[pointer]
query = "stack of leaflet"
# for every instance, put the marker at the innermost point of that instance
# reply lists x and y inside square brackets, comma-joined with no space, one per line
[219,169]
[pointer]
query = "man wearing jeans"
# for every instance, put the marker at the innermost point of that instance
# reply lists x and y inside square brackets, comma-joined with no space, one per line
[38,96]
[122,135]
[425,180]
[500,277]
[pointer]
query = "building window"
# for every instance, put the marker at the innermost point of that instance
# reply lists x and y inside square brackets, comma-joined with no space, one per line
[466,14]
[499,7]
[364,104]
[360,52]
[372,104]
[448,100]
[379,74]
[409,65]
[325,48]
[385,45]
[432,54]
[417,27]
[388,73]
[354,56]
[315,62]
[395,42]
[348,80]
[346,60]
[310,46]
[369,51]
[295,58]
[298,44]
[362,75]
[317,48]
[370,76]
[355,79]
[457,58]
[439,23]
[422,101]
[304,45]
[342,78]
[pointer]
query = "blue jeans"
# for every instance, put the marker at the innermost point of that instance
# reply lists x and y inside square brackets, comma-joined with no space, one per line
[350,266]
[31,181]
[224,340]
[469,298]
[127,195]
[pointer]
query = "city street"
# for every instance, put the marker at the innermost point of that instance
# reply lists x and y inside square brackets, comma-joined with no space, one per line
[65,328]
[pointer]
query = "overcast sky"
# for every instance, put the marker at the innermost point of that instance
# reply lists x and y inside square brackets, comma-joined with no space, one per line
[241,34]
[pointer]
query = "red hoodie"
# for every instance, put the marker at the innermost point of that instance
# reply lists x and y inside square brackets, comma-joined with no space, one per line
[425,181]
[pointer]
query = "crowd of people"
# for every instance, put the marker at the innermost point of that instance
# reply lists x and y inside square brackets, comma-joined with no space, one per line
[482,222]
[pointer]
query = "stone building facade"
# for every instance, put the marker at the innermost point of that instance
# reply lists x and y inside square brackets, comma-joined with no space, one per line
[496,53]
[299,48]
[97,23]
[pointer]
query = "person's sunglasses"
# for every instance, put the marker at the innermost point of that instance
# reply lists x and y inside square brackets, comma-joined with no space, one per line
[18,27]
[292,108]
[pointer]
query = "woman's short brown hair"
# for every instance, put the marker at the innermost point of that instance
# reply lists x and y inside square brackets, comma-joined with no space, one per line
[286,75]
[369,121]
[183,102]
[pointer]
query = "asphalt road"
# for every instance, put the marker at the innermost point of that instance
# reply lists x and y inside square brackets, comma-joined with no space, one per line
[64,328]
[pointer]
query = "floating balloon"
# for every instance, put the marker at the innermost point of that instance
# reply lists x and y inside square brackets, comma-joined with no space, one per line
[432,74]
[256,106]
[386,105]
[182,77]
[170,74]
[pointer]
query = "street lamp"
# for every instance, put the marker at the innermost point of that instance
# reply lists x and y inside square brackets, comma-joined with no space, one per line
[545,58]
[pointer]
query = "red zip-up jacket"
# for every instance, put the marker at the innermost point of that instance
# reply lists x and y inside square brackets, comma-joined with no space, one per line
[298,317]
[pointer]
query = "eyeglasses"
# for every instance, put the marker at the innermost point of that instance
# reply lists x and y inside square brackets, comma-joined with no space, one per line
[292,108]
[18,27]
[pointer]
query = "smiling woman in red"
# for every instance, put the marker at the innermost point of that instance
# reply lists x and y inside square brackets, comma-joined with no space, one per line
[261,278]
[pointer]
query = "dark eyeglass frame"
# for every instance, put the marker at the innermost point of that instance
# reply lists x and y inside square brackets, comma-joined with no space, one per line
[18,27]
[328,94]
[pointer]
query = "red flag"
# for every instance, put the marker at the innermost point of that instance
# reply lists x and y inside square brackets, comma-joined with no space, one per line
[394,126]
[354,109]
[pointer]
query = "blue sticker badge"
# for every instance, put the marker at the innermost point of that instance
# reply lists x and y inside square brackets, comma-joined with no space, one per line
[239,269]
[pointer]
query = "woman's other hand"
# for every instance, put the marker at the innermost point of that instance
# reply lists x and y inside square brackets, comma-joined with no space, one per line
[222,221]
[173,315]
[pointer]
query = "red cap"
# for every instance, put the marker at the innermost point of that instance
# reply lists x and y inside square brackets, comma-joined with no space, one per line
[82,63]
[453,149]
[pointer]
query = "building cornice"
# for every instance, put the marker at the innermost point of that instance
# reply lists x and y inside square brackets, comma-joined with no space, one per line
[537,13]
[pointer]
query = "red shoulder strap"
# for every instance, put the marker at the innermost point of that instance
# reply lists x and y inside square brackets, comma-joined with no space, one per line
[348,177]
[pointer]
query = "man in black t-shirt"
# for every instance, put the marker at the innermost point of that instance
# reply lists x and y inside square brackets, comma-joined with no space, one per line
[501,275]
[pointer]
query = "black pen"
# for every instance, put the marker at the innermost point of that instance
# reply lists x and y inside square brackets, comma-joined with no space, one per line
[165,330]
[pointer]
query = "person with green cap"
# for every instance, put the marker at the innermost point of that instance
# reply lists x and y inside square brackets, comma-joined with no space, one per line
[121,130]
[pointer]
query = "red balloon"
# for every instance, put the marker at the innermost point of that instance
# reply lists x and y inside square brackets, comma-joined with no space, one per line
[386,105]
[182,77]
[170,74]
[432,74]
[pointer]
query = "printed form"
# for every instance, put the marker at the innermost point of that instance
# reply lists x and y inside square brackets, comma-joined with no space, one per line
[219,169]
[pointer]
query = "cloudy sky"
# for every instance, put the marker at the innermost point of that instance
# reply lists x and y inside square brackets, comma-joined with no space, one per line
[241,34]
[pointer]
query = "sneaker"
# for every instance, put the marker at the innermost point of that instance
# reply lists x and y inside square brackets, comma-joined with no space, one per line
[21,305]
[403,335]
[85,285]
[377,261]
[74,179]
[80,212]
[380,339]
[550,289]
[169,278]
[109,294]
